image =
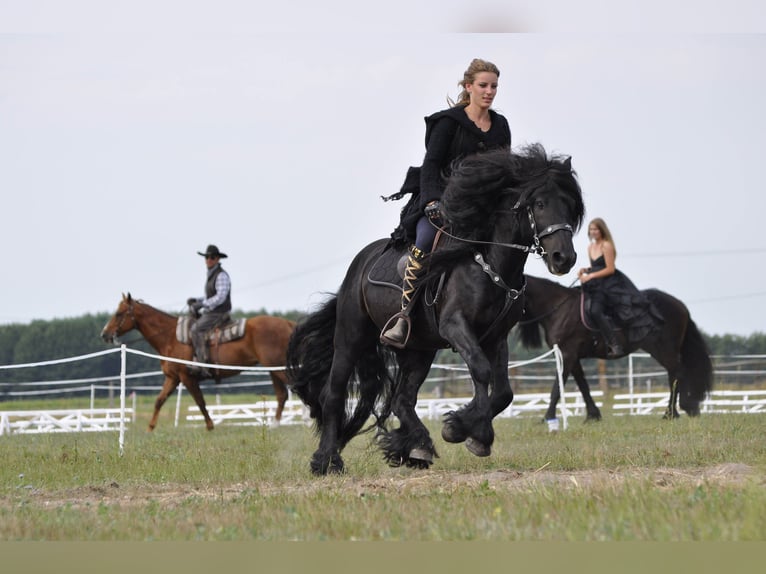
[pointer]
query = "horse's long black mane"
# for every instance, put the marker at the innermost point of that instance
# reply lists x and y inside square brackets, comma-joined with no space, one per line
[488,185]
[481,182]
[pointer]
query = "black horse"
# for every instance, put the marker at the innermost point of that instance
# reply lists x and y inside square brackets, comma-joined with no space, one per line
[678,346]
[500,207]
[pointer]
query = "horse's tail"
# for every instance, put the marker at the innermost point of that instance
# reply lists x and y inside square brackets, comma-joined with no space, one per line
[696,370]
[309,359]
[529,333]
[309,356]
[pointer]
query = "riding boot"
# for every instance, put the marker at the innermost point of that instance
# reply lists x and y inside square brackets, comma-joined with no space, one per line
[200,356]
[613,347]
[398,335]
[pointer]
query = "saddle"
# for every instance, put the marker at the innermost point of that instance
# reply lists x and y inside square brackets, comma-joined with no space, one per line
[223,333]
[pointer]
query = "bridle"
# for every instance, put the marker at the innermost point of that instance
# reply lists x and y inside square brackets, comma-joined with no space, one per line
[535,248]
[123,315]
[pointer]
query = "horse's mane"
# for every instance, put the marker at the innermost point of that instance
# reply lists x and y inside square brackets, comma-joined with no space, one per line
[143,303]
[481,185]
[481,181]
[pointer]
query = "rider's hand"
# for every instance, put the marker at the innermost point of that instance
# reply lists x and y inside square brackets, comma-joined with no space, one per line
[191,301]
[433,211]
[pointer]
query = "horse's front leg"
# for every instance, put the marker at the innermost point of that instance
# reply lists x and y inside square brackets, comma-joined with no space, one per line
[410,444]
[473,420]
[192,385]
[170,385]
[500,385]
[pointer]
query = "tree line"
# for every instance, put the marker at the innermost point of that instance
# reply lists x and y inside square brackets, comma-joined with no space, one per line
[46,340]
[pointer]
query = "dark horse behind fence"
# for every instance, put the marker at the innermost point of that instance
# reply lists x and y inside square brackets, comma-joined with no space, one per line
[678,346]
[500,207]
[264,343]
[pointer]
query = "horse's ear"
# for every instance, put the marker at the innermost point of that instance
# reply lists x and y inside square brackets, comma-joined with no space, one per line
[128,298]
[568,163]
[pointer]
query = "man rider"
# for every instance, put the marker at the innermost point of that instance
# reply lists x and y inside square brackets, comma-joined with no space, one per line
[212,309]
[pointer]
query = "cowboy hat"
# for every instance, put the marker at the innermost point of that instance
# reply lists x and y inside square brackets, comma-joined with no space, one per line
[212,251]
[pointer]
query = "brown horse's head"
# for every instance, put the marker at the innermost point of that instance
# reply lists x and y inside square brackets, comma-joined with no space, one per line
[121,322]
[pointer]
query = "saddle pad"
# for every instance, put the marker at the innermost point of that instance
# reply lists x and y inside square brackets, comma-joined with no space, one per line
[388,270]
[231,331]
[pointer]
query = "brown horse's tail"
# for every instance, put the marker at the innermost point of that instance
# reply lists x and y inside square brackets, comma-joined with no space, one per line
[309,359]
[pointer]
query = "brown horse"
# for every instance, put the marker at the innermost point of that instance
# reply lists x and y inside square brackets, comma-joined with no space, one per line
[264,343]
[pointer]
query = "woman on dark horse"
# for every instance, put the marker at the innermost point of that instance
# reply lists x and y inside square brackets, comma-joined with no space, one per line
[500,207]
[468,127]
[612,296]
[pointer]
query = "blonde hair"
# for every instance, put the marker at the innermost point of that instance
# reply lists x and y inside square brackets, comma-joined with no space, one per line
[606,235]
[476,66]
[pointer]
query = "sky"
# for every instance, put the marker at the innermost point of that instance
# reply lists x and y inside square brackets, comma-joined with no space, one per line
[134,134]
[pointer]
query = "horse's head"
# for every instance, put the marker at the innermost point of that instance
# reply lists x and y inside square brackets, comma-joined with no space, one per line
[121,322]
[524,200]
[554,209]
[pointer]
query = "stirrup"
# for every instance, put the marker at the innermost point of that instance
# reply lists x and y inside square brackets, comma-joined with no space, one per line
[390,324]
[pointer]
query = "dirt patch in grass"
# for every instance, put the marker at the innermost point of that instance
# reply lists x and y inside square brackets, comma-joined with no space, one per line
[404,481]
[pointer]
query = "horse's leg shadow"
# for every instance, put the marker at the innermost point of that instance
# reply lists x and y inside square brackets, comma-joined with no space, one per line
[410,444]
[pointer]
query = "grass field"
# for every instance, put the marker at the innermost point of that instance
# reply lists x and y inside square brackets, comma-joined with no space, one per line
[624,479]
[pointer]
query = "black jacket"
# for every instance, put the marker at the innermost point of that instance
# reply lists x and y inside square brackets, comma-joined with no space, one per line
[450,135]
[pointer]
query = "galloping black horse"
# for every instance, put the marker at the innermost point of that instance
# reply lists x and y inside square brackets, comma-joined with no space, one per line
[678,345]
[500,207]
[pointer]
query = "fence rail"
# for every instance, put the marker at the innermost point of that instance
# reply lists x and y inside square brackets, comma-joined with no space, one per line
[264,412]
[62,420]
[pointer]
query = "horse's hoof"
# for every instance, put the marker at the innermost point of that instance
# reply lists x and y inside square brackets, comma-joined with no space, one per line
[450,433]
[421,454]
[553,425]
[477,448]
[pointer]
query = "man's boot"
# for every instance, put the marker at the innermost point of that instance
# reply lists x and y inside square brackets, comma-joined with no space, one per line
[398,335]
[200,356]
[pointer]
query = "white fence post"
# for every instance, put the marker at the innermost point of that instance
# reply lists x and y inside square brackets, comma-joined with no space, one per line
[560,376]
[123,369]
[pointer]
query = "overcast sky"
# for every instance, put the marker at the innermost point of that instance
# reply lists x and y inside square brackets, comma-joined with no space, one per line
[129,143]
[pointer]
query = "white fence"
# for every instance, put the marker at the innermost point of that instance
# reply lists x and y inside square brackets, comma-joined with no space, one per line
[62,420]
[263,412]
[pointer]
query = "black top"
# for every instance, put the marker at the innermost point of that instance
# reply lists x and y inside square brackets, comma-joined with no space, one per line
[451,135]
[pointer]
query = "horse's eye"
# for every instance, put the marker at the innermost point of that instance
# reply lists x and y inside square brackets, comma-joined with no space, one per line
[539,204]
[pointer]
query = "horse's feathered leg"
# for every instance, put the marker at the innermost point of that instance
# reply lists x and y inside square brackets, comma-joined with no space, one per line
[474,419]
[411,443]
[500,385]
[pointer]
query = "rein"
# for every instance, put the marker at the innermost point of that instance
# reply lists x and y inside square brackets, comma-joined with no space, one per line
[535,248]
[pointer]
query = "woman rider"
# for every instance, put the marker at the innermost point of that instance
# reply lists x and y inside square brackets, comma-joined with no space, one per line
[467,127]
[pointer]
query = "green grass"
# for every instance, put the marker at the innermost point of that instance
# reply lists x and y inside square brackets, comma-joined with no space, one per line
[626,478]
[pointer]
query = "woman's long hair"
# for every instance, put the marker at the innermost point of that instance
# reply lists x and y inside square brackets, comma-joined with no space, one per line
[476,66]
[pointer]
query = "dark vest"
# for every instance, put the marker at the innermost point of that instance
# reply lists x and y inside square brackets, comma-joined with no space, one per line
[224,307]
